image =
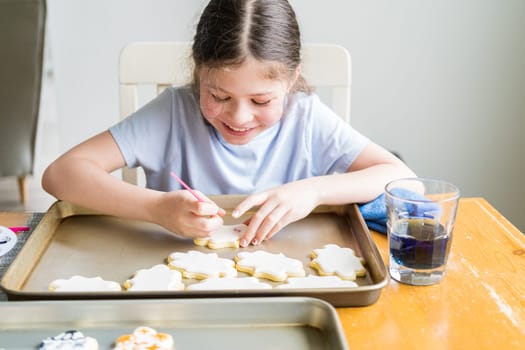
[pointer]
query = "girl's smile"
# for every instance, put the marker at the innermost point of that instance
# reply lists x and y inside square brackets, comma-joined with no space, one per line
[241,102]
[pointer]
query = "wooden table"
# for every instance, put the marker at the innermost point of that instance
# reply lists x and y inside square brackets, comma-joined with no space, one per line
[479,305]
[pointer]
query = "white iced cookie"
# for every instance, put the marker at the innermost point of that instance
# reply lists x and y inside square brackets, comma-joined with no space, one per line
[226,237]
[335,260]
[144,338]
[230,283]
[83,284]
[67,340]
[312,281]
[194,264]
[275,267]
[158,277]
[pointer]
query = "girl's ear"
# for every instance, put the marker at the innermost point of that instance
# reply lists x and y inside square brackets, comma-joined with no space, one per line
[295,75]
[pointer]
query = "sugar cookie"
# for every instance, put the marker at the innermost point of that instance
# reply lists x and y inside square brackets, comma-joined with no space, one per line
[312,281]
[230,283]
[144,338]
[226,237]
[158,277]
[194,264]
[275,267]
[83,284]
[67,340]
[334,260]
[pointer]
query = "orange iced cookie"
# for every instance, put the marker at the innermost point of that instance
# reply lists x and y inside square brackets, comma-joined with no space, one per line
[144,338]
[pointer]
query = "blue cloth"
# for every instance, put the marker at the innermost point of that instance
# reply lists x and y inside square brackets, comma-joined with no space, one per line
[375,215]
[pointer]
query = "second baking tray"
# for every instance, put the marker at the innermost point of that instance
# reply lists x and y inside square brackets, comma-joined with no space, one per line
[71,240]
[247,323]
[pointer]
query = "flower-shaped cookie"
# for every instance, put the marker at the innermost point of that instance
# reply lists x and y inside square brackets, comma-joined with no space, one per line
[335,260]
[158,277]
[275,267]
[194,264]
[144,338]
[226,237]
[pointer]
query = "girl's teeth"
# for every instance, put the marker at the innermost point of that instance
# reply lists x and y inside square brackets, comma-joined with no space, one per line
[237,129]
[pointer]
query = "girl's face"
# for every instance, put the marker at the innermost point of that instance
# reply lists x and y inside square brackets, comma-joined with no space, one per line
[241,102]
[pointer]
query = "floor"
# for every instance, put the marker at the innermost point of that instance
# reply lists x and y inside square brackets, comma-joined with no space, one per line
[46,150]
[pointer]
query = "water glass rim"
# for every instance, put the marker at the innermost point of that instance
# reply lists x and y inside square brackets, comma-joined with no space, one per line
[454,192]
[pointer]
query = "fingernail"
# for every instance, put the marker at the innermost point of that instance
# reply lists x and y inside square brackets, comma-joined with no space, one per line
[243,243]
[254,242]
[235,213]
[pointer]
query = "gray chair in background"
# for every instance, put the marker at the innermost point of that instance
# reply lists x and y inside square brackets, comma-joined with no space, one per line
[22,27]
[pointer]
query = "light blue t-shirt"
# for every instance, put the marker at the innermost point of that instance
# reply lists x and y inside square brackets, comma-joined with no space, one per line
[170,134]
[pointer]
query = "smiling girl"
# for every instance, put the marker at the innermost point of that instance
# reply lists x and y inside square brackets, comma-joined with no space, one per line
[248,124]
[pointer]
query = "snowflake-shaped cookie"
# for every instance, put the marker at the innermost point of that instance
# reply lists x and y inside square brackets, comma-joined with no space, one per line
[83,284]
[194,264]
[230,283]
[158,277]
[275,267]
[226,237]
[312,281]
[335,260]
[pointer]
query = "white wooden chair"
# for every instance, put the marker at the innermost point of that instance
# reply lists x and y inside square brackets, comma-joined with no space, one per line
[326,67]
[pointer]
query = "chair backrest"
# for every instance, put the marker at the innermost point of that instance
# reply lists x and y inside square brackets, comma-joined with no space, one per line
[326,67]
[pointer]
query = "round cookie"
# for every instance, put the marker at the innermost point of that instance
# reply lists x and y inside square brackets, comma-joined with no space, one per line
[158,277]
[194,264]
[334,260]
[275,267]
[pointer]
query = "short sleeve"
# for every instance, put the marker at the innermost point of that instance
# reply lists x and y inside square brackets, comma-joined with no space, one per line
[335,144]
[142,137]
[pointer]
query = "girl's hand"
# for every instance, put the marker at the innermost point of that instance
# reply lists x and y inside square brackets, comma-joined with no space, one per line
[278,207]
[179,212]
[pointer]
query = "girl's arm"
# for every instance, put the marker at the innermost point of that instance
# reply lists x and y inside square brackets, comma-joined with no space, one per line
[363,182]
[83,176]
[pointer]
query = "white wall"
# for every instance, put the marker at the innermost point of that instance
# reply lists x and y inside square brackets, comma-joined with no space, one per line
[441,82]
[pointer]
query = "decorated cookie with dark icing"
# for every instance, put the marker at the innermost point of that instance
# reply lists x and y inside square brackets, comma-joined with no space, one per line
[69,340]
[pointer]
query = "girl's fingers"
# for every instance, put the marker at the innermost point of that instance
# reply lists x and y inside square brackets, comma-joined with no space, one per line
[248,203]
[285,220]
[255,222]
[272,223]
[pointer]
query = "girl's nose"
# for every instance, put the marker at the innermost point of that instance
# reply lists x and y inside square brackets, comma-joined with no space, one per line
[240,113]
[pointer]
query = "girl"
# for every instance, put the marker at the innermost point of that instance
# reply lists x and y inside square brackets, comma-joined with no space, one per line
[248,124]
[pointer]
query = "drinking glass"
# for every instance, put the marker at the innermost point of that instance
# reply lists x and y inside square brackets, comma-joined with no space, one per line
[420,221]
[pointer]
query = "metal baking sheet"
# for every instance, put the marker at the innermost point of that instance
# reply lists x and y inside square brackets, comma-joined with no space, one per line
[244,323]
[72,240]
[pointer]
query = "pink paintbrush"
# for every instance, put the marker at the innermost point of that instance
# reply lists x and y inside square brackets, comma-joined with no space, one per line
[186,186]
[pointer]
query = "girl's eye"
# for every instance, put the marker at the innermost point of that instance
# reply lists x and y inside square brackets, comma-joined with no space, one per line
[261,103]
[219,99]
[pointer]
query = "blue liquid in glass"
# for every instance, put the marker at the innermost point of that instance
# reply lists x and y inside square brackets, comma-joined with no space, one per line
[419,244]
